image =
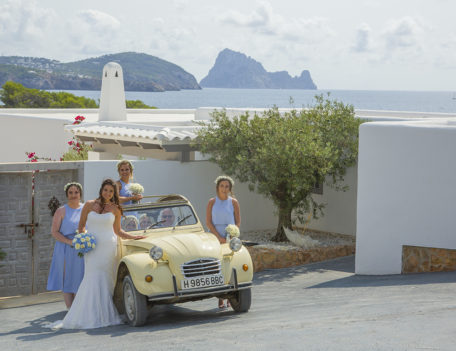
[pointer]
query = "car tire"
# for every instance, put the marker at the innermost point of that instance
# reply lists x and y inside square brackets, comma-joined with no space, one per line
[241,300]
[135,304]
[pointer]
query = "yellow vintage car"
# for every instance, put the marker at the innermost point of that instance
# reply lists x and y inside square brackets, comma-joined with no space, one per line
[177,262]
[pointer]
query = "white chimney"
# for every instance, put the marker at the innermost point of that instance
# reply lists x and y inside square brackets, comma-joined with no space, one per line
[112,100]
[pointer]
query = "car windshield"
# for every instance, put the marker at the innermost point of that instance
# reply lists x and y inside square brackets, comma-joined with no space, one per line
[157,217]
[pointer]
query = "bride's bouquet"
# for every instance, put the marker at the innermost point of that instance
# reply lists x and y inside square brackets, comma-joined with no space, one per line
[232,230]
[83,243]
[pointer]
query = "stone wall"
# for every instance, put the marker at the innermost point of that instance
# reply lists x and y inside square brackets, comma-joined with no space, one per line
[25,268]
[416,259]
[15,209]
[266,257]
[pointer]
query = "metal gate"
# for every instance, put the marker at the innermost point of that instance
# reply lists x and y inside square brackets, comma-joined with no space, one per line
[25,224]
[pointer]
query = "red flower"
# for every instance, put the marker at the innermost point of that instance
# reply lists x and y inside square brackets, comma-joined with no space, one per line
[70,142]
[34,160]
[78,119]
[30,155]
[78,145]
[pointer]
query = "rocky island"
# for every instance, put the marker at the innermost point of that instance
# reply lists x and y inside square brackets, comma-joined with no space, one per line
[142,72]
[235,70]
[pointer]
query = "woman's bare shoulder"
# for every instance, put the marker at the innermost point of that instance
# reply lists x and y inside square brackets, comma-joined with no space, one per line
[60,212]
[114,209]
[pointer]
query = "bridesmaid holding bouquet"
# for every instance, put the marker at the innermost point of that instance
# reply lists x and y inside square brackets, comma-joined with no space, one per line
[67,268]
[125,169]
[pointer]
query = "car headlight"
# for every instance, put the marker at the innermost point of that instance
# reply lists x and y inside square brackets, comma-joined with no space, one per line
[156,253]
[235,244]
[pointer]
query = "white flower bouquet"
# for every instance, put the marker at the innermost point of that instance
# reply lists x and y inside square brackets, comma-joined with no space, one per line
[136,188]
[83,243]
[232,230]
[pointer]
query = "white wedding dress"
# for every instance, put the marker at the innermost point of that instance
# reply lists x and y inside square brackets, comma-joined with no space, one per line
[93,306]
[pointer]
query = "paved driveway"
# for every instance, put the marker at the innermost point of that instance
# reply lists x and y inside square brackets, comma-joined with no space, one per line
[322,306]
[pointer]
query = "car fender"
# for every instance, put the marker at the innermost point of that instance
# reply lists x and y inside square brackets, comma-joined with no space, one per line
[237,261]
[140,265]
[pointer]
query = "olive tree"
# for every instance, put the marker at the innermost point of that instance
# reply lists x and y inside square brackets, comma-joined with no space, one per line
[284,155]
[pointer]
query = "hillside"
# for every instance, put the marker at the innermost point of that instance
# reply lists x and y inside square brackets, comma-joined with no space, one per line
[142,72]
[235,70]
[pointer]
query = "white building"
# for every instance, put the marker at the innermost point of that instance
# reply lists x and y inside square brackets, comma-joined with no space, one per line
[400,194]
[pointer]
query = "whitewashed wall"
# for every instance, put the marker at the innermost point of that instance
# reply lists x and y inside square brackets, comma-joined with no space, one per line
[406,191]
[19,134]
[340,207]
[194,180]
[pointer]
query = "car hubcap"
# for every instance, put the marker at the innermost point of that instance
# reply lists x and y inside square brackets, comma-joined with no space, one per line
[129,302]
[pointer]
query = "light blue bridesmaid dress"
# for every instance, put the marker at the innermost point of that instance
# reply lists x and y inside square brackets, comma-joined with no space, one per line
[67,268]
[222,214]
[125,192]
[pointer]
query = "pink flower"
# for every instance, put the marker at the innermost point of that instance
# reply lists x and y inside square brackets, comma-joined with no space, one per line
[30,155]
[70,142]
[34,160]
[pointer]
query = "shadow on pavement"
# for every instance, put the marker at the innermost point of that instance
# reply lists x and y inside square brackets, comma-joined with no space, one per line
[164,317]
[343,264]
[347,265]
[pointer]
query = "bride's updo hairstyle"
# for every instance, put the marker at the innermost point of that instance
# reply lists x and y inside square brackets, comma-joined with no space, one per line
[115,198]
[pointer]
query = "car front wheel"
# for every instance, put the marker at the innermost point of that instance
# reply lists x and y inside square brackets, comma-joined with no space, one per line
[241,300]
[135,303]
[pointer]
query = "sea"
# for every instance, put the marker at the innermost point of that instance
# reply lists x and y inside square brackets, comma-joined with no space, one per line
[422,101]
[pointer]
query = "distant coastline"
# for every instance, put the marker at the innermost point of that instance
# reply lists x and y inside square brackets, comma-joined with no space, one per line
[424,101]
[142,72]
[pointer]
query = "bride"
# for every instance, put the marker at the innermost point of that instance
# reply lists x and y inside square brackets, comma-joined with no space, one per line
[93,306]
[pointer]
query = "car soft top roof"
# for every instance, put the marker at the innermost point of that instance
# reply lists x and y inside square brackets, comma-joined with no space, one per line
[158,201]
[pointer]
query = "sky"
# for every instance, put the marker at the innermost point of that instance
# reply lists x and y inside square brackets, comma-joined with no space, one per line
[349,45]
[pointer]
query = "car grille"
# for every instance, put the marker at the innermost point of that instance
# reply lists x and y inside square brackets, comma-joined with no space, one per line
[201,266]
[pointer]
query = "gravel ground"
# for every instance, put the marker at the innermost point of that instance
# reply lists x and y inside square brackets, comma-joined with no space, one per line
[325,239]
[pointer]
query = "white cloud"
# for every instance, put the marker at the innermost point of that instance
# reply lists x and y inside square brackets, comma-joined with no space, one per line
[363,39]
[93,32]
[264,20]
[24,23]
[98,21]
[446,54]
[403,33]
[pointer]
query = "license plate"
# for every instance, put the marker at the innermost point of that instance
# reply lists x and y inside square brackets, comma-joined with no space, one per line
[202,282]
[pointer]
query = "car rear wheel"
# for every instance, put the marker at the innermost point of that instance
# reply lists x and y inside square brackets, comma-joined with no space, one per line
[135,303]
[241,300]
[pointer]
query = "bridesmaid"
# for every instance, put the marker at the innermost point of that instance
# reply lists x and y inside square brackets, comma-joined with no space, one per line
[125,169]
[67,268]
[222,210]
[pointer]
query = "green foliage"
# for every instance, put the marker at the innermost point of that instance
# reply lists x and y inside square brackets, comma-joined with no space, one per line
[15,95]
[78,150]
[137,104]
[284,156]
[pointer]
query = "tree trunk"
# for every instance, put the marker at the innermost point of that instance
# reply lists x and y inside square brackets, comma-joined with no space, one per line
[284,221]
